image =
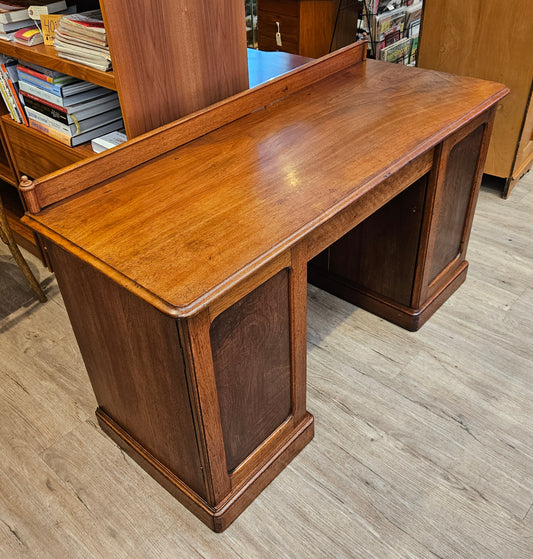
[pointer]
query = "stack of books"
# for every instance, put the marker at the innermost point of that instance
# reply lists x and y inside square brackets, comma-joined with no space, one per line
[67,109]
[14,16]
[82,38]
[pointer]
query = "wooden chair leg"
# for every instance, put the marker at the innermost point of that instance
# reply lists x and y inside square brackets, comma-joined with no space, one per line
[7,237]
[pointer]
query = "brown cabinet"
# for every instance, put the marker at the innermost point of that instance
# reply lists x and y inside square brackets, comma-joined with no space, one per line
[491,40]
[155,84]
[307,27]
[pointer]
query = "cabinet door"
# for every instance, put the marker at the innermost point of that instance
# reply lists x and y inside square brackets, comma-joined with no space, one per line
[491,40]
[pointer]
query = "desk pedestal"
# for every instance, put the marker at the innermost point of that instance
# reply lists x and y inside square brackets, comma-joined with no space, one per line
[407,258]
[212,406]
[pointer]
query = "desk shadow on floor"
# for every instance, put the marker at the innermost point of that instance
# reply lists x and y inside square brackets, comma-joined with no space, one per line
[15,292]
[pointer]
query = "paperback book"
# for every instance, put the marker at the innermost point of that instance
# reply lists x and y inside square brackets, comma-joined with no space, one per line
[70,114]
[82,38]
[77,127]
[17,10]
[78,139]
[108,141]
[93,93]
[9,89]
[63,90]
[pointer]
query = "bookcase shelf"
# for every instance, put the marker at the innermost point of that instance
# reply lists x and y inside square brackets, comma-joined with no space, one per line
[47,56]
[159,71]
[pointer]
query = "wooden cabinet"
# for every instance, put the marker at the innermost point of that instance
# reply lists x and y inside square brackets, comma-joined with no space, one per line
[161,71]
[491,40]
[307,27]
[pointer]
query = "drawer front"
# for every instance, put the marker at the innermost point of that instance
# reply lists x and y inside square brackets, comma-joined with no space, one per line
[35,154]
[287,7]
[267,29]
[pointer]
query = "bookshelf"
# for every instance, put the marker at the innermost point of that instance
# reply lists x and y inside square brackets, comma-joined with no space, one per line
[168,61]
[491,40]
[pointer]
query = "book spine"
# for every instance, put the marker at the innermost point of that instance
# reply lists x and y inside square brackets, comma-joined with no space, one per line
[47,110]
[51,132]
[41,93]
[59,108]
[15,95]
[41,84]
[34,73]
[8,98]
[50,122]
[3,93]
[6,17]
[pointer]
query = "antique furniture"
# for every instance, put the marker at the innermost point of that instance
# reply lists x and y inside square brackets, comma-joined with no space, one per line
[182,256]
[491,40]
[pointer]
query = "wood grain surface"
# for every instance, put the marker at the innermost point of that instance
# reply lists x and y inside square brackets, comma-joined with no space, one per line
[258,175]
[472,39]
[423,441]
[153,89]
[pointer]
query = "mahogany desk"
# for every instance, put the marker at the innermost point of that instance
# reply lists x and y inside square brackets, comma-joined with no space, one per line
[182,256]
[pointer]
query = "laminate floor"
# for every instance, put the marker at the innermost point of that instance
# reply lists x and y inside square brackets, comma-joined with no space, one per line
[423,445]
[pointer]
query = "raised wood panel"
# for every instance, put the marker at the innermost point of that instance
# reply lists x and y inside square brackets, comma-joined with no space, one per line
[252,360]
[134,361]
[453,201]
[490,40]
[187,56]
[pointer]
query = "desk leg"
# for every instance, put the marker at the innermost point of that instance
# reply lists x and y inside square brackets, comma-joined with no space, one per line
[407,258]
[212,406]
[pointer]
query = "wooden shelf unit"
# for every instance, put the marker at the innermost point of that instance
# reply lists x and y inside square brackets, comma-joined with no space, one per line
[160,74]
[490,40]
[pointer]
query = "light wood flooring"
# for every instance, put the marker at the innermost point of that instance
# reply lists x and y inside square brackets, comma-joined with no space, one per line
[423,445]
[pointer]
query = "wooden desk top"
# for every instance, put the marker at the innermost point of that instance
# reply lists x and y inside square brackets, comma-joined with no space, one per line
[190,224]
